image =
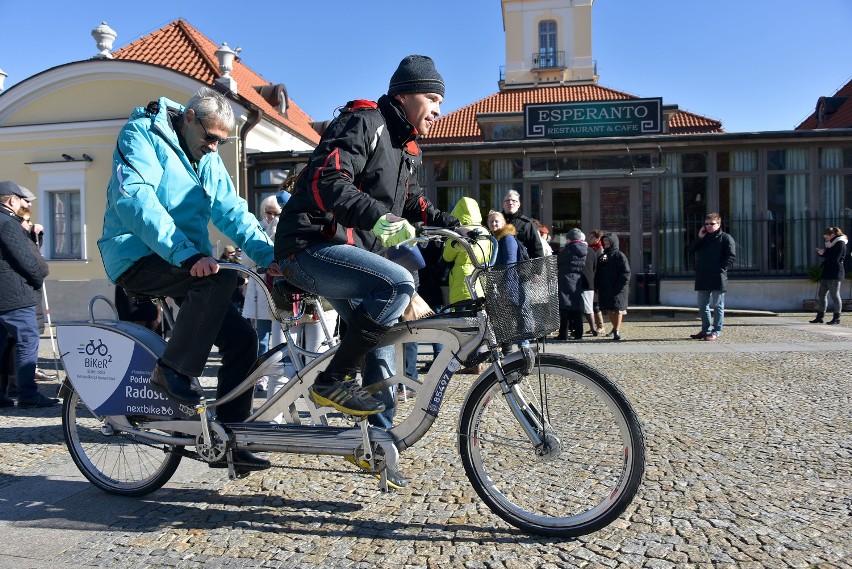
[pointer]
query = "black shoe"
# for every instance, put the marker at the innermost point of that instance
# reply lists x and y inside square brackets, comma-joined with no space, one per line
[40,401]
[616,336]
[818,319]
[6,402]
[175,384]
[244,462]
[345,394]
[835,320]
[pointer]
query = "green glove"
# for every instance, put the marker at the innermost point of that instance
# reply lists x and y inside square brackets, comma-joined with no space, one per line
[392,230]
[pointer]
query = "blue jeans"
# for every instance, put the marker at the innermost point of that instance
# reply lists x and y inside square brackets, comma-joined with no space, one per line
[264,331]
[21,325]
[349,278]
[716,300]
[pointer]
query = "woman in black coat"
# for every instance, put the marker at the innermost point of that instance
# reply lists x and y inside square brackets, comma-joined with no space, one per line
[570,264]
[612,281]
[833,272]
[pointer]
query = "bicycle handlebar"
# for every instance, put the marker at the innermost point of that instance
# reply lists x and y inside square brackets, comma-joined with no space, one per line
[426,233]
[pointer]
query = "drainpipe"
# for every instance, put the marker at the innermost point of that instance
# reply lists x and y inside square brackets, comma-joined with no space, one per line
[253,118]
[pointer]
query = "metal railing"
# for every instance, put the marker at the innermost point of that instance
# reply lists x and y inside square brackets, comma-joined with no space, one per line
[548,59]
[772,246]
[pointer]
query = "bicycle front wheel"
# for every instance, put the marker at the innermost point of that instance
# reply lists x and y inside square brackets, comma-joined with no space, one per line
[591,461]
[116,462]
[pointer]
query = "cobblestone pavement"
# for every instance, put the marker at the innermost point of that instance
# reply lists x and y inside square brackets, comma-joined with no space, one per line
[749,443]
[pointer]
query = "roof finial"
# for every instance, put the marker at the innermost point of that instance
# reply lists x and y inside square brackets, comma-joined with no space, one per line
[226,57]
[3,76]
[104,36]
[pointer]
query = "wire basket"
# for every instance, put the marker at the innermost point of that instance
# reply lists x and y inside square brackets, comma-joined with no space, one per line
[522,299]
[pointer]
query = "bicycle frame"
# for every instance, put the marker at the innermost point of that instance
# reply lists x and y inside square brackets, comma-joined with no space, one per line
[460,333]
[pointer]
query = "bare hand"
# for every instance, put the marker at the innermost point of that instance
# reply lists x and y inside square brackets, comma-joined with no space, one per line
[702,232]
[274,269]
[204,267]
[820,251]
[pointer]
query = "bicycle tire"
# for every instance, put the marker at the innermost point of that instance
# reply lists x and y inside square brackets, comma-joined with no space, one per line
[115,463]
[597,448]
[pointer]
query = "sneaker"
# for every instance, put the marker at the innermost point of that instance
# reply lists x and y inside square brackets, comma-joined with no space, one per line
[344,394]
[395,478]
[6,402]
[43,375]
[700,336]
[616,336]
[40,401]
[710,337]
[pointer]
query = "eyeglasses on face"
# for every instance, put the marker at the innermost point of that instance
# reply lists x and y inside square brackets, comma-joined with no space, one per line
[510,200]
[211,138]
[712,223]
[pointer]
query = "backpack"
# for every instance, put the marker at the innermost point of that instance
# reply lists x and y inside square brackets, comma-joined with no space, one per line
[523,254]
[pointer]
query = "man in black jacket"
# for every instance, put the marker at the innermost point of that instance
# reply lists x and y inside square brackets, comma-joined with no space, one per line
[527,231]
[21,279]
[715,252]
[357,196]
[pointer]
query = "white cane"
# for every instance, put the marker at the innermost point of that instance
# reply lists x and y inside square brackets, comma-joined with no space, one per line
[50,329]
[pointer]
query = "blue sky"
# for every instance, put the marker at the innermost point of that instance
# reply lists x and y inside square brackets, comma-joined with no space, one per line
[753,64]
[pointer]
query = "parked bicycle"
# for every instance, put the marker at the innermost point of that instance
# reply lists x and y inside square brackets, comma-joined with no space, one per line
[550,444]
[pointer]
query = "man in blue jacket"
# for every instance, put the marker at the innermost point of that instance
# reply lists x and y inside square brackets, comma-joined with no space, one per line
[168,183]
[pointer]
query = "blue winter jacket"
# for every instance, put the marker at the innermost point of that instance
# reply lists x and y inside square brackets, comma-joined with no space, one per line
[157,204]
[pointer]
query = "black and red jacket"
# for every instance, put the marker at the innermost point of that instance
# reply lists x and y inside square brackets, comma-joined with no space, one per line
[364,167]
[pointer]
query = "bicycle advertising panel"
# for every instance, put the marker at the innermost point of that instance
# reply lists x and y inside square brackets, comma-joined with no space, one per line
[112,372]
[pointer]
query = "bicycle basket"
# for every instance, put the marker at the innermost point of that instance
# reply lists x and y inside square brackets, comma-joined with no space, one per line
[522,299]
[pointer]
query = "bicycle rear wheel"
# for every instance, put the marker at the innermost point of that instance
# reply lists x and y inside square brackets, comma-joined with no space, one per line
[591,462]
[116,462]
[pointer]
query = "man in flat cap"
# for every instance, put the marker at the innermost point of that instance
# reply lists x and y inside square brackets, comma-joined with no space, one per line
[21,279]
[360,188]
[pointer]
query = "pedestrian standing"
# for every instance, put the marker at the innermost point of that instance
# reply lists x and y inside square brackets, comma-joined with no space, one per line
[21,279]
[612,281]
[571,263]
[833,272]
[715,252]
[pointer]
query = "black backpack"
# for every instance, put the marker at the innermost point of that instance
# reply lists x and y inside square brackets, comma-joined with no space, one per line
[523,254]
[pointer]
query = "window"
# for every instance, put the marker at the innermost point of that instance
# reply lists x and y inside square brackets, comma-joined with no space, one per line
[682,206]
[547,44]
[61,208]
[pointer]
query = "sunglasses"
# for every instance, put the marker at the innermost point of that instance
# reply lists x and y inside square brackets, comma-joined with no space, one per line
[210,138]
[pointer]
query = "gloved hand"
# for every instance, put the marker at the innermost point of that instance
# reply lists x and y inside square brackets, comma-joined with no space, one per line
[392,230]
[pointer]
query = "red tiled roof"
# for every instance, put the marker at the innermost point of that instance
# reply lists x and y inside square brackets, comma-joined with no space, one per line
[182,48]
[460,126]
[842,116]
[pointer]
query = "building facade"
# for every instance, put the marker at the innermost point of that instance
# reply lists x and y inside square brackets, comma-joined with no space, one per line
[58,130]
[586,156]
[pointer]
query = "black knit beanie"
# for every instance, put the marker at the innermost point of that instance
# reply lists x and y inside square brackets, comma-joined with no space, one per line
[416,74]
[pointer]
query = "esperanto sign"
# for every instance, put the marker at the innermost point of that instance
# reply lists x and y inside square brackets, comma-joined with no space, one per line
[631,117]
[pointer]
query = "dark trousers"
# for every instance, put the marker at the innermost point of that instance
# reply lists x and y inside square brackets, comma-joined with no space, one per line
[20,324]
[206,318]
[570,321]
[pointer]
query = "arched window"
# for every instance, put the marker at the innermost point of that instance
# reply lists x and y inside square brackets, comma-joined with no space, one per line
[547,43]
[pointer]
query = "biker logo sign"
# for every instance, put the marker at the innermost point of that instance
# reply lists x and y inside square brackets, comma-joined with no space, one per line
[112,372]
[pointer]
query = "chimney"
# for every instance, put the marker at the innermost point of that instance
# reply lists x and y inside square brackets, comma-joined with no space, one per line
[226,57]
[104,36]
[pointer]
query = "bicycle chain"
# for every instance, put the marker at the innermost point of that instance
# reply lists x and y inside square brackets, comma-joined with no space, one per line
[194,456]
